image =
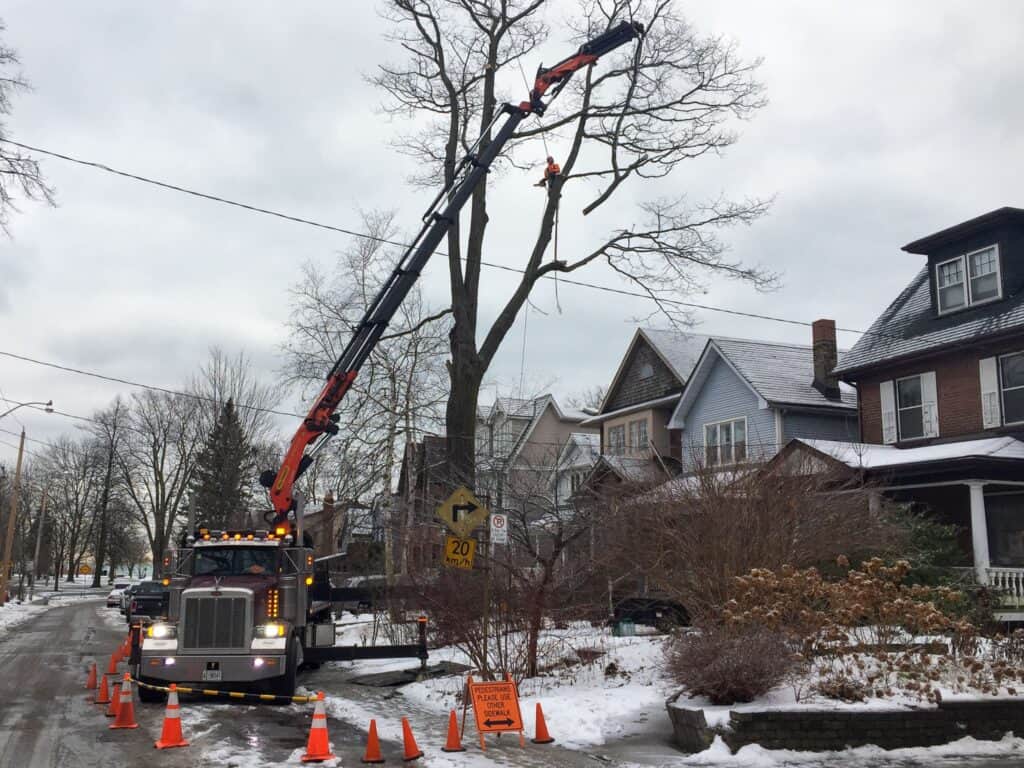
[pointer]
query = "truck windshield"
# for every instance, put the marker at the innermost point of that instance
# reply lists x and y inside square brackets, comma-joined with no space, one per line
[235,561]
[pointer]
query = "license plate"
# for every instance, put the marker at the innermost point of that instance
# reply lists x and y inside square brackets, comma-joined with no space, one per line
[211,675]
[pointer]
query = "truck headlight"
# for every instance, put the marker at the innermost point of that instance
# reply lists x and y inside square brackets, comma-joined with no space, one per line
[270,630]
[161,631]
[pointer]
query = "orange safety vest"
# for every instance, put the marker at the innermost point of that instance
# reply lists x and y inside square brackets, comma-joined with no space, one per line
[553,169]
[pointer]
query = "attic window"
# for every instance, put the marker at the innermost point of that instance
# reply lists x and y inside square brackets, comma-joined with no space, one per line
[969,279]
[646,370]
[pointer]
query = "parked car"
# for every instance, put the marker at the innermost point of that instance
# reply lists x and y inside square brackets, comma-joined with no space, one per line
[652,612]
[114,597]
[149,600]
[126,597]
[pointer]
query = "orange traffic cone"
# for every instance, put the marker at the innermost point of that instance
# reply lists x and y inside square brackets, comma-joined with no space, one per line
[126,711]
[373,754]
[453,744]
[103,694]
[90,684]
[114,705]
[171,736]
[542,737]
[409,749]
[112,667]
[318,748]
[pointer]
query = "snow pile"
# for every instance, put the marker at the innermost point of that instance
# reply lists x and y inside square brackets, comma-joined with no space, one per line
[12,614]
[753,756]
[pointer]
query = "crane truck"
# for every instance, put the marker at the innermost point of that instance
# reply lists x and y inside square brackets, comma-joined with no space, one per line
[249,607]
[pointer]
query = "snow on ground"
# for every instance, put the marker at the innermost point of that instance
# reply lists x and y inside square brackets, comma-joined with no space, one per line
[12,614]
[753,756]
[590,703]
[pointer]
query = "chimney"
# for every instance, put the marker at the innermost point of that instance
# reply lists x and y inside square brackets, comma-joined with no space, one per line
[825,357]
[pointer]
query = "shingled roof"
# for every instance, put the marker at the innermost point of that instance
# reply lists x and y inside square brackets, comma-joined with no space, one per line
[909,327]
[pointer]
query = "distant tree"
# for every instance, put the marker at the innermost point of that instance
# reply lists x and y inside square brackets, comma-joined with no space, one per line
[19,173]
[223,471]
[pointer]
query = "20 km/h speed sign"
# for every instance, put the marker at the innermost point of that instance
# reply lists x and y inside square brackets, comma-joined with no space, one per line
[458,553]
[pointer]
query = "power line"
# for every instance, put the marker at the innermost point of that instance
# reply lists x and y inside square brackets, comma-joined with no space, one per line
[131,383]
[386,241]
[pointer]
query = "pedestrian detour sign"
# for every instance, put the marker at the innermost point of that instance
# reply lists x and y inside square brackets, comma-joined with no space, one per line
[495,707]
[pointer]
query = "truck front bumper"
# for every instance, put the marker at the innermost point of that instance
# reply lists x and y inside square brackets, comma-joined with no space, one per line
[201,669]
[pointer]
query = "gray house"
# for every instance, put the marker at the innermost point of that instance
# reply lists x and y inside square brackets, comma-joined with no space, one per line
[746,399]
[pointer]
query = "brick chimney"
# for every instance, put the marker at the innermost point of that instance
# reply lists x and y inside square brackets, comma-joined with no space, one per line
[823,333]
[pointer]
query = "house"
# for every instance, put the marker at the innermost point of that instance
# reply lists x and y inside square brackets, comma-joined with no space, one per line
[575,461]
[634,414]
[423,484]
[940,383]
[745,399]
[520,445]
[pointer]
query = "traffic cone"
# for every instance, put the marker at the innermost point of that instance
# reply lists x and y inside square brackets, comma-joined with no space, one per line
[114,706]
[453,744]
[103,694]
[90,684]
[112,667]
[409,749]
[542,737]
[373,754]
[318,748]
[125,717]
[171,736]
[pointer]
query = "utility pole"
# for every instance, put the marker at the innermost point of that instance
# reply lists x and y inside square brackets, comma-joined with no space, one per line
[5,564]
[39,540]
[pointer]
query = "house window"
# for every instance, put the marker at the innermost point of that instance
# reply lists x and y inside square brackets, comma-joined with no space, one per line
[575,481]
[910,407]
[646,371]
[969,279]
[617,440]
[1011,380]
[638,435]
[725,442]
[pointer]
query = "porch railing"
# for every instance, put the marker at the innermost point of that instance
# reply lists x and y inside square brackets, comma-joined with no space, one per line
[1009,582]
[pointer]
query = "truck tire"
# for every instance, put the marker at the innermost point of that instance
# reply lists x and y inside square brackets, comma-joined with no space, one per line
[284,685]
[148,695]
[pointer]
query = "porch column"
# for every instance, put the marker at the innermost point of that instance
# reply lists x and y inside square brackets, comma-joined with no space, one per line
[979,531]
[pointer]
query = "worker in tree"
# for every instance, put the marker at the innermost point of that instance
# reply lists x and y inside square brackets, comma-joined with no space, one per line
[552,170]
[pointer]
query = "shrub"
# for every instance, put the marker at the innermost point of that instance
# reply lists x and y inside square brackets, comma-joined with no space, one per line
[728,666]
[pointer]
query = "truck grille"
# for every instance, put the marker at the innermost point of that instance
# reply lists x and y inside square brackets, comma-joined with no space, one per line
[215,622]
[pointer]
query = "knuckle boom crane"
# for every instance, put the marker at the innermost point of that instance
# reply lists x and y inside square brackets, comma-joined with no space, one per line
[322,420]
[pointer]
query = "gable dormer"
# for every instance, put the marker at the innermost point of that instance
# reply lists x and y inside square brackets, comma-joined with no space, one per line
[975,263]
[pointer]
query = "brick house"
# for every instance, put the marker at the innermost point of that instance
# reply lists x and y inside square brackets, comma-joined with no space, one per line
[940,382]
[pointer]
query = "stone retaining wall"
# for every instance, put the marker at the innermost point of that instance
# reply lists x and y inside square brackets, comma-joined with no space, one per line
[834,729]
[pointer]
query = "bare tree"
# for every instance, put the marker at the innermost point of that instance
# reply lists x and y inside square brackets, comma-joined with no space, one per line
[645,110]
[222,378]
[108,431]
[399,392]
[72,472]
[20,174]
[156,464]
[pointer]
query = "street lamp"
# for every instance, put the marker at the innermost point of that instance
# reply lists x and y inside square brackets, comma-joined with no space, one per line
[47,406]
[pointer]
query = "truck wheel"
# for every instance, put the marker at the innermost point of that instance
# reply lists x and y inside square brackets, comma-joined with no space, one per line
[148,695]
[285,684]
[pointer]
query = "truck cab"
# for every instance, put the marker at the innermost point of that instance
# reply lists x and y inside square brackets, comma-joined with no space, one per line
[239,613]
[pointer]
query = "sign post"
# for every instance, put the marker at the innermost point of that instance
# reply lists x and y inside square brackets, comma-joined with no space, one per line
[495,708]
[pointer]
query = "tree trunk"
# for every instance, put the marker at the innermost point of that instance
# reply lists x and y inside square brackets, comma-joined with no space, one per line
[460,414]
[536,620]
[101,543]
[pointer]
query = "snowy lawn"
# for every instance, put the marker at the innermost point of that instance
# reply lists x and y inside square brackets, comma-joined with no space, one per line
[617,686]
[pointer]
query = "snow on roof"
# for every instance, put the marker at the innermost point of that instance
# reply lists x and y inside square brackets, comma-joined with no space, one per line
[633,469]
[679,349]
[867,456]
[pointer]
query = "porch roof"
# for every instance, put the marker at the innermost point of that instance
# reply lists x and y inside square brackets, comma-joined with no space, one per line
[868,456]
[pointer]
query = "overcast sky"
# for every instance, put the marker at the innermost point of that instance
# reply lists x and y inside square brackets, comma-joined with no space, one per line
[887,121]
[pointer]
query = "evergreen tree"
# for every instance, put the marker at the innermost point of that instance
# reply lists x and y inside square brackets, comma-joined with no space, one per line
[221,477]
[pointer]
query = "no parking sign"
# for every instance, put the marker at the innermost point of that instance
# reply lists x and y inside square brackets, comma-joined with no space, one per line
[499,529]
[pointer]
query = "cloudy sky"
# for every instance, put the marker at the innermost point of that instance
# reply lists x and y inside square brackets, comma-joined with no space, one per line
[887,121]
